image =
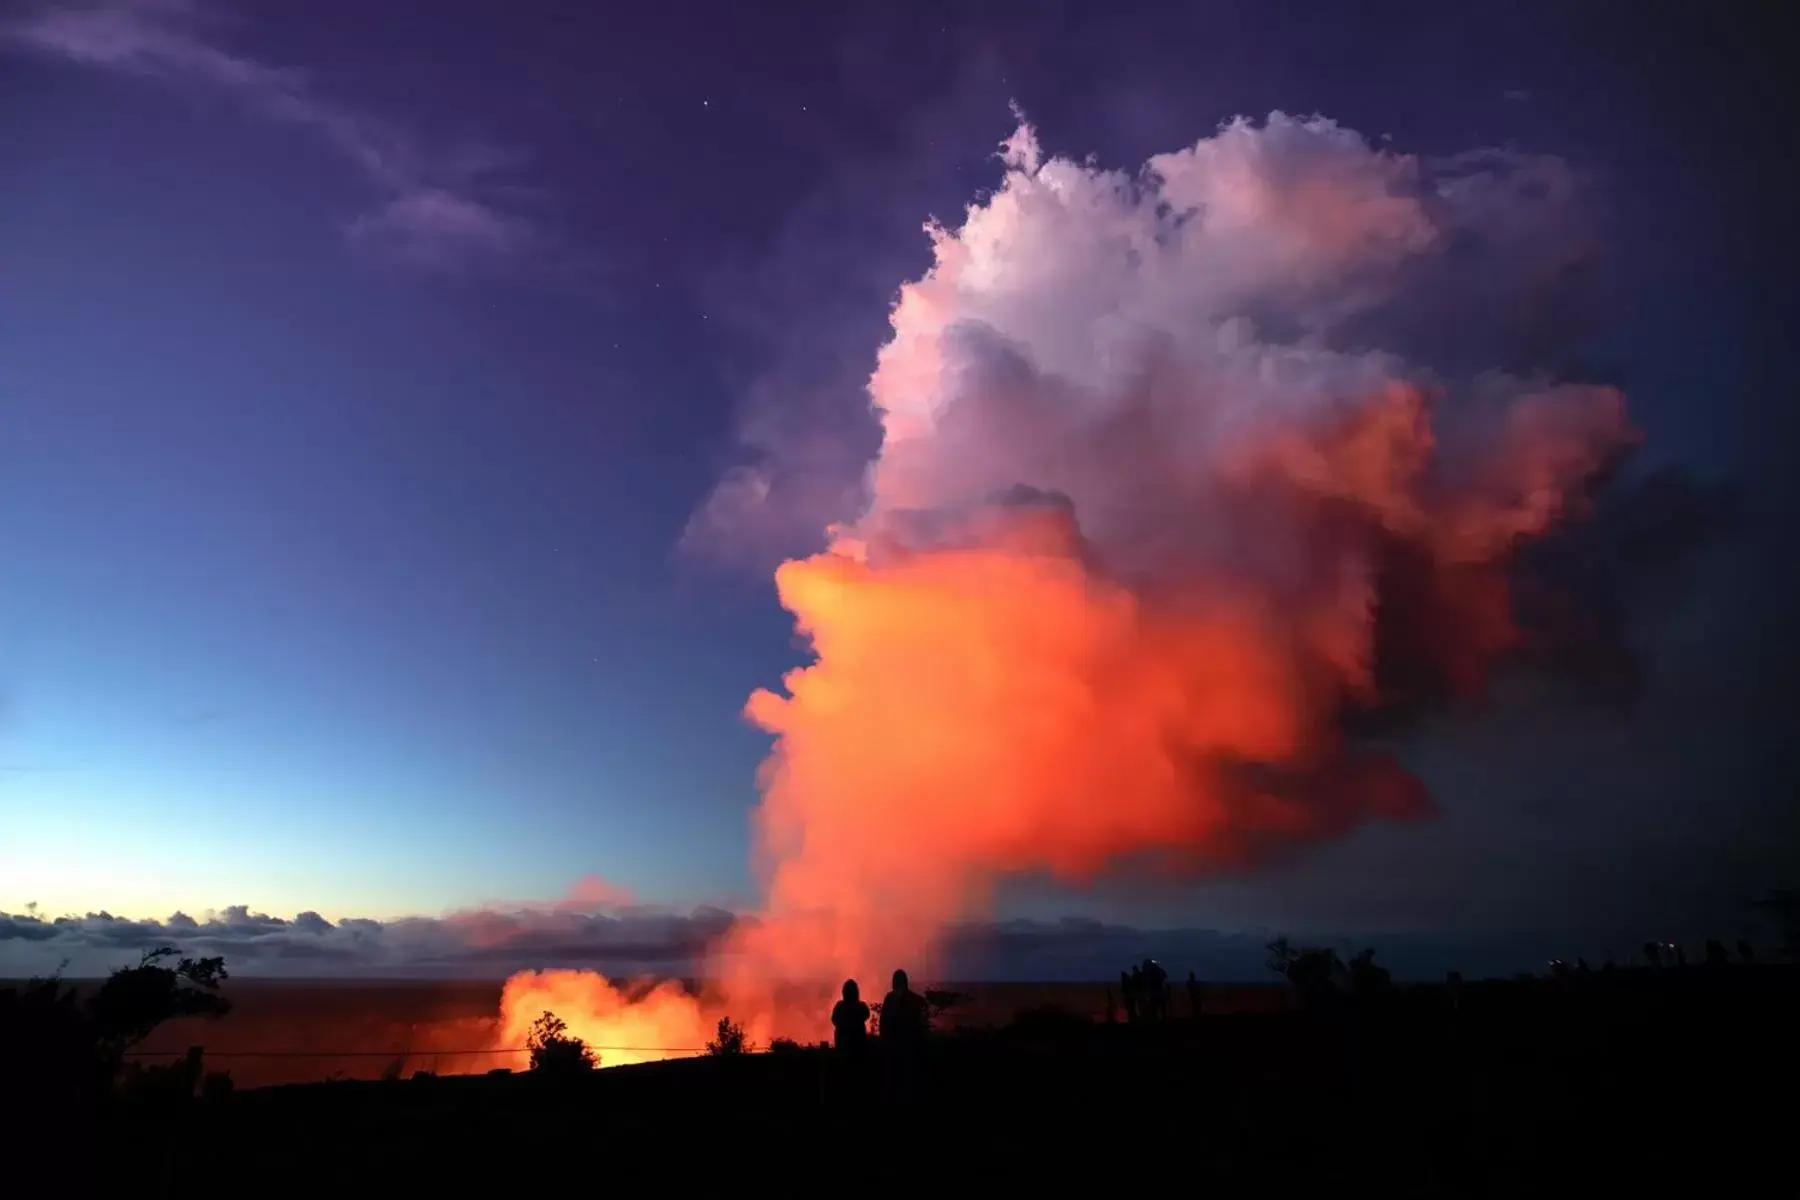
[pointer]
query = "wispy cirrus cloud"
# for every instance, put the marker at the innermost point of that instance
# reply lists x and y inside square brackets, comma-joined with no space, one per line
[448,210]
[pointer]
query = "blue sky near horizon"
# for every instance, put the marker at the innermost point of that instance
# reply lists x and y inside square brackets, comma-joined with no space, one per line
[349,428]
[246,458]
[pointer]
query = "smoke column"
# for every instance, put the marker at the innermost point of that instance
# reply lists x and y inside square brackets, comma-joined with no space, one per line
[1159,516]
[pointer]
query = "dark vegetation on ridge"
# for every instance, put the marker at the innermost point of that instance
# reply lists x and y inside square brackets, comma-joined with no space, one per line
[1661,1072]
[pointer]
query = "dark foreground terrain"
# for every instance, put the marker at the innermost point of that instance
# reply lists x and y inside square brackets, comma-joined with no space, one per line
[1675,1080]
[284,1031]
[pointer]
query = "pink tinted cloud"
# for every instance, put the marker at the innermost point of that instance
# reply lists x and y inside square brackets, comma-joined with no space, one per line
[591,893]
[497,923]
[439,230]
[1281,234]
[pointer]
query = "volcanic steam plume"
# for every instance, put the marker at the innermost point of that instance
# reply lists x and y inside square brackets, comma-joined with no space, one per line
[1184,474]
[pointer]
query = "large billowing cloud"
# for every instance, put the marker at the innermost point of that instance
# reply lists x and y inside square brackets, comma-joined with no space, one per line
[1189,477]
[1500,272]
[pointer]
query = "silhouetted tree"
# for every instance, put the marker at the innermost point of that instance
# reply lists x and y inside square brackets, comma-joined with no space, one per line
[1367,979]
[730,1039]
[553,1051]
[1316,971]
[1282,954]
[66,1051]
[135,1000]
[1782,908]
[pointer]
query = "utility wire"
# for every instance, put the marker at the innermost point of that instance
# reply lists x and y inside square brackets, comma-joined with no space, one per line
[396,1053]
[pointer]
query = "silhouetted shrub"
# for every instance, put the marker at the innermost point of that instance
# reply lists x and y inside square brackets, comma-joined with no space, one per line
[164,1083]
[730,1039]
[785,1046]
[553,1051]
[1782,909]
[938,1005]
[1052,1021]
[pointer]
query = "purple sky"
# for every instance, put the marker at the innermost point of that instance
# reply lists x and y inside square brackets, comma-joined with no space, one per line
[366,378]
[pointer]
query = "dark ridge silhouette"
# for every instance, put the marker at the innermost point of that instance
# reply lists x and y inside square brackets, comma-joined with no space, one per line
[1464,1087]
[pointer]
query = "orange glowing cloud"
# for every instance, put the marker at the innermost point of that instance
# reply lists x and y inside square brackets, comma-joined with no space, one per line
[623,1024]
[1130,565]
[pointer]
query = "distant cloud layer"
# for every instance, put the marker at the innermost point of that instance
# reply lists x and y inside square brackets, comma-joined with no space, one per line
[471,944]
[442,209]
[493,942]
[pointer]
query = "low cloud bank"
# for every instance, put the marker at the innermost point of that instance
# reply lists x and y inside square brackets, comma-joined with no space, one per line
[650,941]
[474,943]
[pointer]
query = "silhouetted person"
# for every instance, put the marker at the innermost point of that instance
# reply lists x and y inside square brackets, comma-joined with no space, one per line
[850,1020]
[1746,954]
[1193,991]
[1715,953]
[1653,954]
[1156,989]
[1130,985]
[903,1015]
[904,1019]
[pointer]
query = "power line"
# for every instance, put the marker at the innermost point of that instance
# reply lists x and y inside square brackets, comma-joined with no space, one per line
[397,1053]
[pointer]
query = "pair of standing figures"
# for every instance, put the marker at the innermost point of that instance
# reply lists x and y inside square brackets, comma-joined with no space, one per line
[903,1017]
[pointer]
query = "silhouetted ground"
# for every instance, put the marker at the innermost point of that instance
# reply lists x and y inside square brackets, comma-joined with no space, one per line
[382,1022]
[1683,1080]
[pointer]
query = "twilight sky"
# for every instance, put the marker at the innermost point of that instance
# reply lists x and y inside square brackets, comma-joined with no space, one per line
[367,376]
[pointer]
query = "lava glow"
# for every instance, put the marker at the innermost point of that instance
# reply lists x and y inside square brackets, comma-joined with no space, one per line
[623,1024]
[1158,510]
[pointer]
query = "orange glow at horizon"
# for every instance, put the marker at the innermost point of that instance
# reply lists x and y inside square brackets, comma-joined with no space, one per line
[623,1024]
